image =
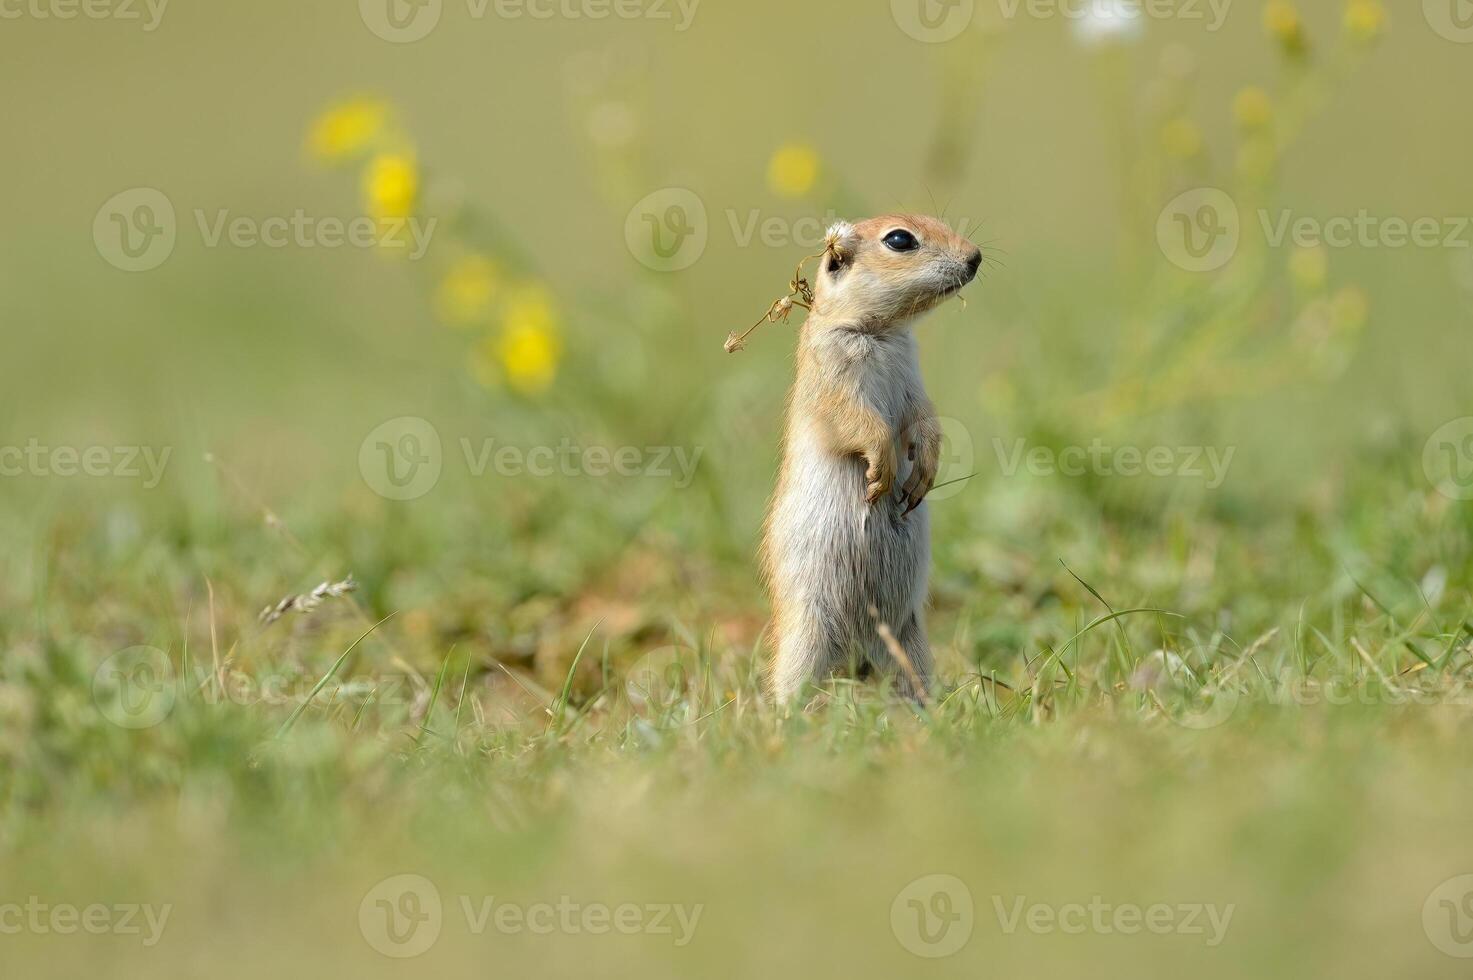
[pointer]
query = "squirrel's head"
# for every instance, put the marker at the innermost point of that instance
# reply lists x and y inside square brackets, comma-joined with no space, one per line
[887,270]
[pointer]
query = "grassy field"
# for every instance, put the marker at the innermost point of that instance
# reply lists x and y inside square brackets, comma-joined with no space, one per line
[1203,583]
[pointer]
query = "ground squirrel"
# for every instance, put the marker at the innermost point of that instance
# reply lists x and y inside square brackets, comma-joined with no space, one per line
[847,549]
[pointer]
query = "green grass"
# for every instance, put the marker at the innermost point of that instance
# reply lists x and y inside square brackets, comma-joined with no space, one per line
[1307,766]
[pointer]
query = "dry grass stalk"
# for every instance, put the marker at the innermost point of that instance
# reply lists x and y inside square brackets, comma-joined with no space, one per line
[887,636]
[800,293]
[307,603]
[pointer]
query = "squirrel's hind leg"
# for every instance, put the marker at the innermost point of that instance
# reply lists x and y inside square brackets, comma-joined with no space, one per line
[914,683]
[806,650]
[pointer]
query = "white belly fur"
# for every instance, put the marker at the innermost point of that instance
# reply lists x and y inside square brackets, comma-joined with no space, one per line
[837,554]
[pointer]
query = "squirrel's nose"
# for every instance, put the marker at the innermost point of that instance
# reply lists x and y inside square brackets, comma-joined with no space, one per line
[975,262]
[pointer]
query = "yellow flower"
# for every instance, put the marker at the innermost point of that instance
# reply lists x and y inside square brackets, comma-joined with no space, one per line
[793,170]
[1349,309]
[467,290]
[528,350]
[1253,108]
[1281,19]
[391,186]
[1256,158]
[529,357]
[1182,139]
[529,307]
[347,130]
[1365,19]
[1309,267]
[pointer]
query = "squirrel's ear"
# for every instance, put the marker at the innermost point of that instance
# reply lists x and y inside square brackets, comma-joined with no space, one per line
[840,243]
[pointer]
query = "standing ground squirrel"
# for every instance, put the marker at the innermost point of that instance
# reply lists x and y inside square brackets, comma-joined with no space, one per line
[847,543]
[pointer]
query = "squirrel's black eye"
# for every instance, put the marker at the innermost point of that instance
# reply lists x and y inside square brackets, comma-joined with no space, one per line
[901,240]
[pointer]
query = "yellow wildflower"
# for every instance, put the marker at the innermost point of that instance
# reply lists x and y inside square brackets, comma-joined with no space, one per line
[1365,19]
[391,186]
[1256,158]
[529,357]
[1349,309]
[1309,267]
[1182,139]
[1281,19]
[529,307]
[467,290]
[1253,108]
[347,130]
[793,170]
[529,349]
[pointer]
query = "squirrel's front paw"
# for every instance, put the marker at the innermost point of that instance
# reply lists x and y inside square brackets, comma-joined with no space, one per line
[927,461]
[879,478]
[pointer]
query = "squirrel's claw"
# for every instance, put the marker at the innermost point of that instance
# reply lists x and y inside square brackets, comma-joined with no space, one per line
[922,478]
[879,478]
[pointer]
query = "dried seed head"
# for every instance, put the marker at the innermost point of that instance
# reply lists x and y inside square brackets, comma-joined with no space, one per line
[800,291]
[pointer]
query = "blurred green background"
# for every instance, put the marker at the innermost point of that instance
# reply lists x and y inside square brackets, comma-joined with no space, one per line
[1064,762]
